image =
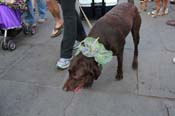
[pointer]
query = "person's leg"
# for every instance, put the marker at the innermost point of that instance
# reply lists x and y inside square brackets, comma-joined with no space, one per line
[73,30]
[29,16]
[41,5]
[81,34]
[70,28]
[54,9]
[33,4]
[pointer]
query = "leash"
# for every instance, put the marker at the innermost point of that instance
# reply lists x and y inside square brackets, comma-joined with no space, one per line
[86,18]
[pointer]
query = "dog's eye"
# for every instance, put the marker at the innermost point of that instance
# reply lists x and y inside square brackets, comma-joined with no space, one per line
[73,75]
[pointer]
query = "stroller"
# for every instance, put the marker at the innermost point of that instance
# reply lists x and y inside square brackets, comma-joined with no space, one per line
[11,22]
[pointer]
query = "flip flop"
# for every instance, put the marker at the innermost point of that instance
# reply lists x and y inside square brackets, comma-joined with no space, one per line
[171,22]
[58,32]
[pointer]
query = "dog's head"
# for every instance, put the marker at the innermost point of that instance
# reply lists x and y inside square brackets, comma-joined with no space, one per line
[82,72]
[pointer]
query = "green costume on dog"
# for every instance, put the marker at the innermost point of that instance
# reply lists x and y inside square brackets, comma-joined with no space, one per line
[90,47]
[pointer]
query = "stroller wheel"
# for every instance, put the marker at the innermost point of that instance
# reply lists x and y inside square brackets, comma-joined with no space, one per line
[11,45]
[4,45]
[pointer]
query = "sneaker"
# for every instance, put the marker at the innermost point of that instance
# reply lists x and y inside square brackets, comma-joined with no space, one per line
[41,20]
[154,11]
[63,63]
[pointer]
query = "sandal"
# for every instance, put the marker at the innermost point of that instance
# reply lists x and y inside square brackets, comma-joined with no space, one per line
[171,22]
[57,31]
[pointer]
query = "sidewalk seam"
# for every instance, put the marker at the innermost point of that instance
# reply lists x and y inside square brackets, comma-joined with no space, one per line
[21,57]
[68,105]
[168,112]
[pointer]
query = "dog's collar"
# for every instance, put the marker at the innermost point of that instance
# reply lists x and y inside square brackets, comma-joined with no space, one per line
[90,47]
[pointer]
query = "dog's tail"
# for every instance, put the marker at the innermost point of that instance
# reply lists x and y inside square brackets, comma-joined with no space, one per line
[131,1]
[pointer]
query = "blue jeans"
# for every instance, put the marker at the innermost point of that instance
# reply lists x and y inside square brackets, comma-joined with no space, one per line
[29,15]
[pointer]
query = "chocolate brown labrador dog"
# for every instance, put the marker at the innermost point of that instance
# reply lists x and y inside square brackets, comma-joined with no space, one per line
[111,29]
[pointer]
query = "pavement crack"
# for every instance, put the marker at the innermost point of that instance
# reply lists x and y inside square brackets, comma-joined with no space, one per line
[167,110]
[21,57]
[157,97]
[68,105]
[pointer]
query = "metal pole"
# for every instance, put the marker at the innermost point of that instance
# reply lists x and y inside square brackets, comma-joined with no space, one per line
[5,37]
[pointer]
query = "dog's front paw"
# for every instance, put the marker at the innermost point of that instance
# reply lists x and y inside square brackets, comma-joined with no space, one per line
[119,77]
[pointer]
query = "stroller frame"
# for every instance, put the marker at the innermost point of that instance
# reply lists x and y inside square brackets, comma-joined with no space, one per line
[8,44]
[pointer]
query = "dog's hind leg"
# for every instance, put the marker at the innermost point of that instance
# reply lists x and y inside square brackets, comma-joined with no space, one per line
[119,75]
[136,37]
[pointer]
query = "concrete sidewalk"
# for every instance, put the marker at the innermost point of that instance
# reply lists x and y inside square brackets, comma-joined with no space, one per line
[30,84]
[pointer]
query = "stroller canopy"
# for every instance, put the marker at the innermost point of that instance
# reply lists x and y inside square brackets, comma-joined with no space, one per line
[9,18]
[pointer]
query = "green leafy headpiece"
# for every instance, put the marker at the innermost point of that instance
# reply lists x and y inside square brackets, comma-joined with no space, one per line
[90,47]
